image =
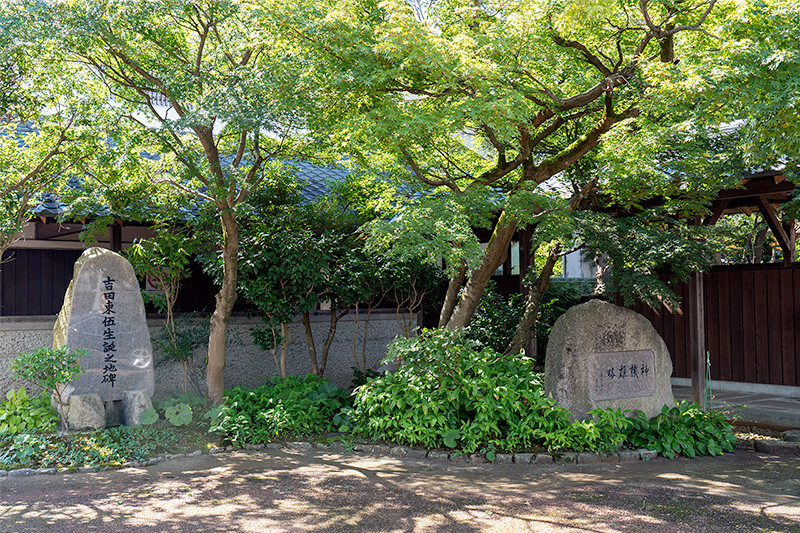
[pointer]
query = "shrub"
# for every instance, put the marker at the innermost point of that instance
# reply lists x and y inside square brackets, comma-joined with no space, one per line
[686,429]
[362,378]
[604,433]
[178,341]
[448,392]
[50,368]
[19,413]
[296,406]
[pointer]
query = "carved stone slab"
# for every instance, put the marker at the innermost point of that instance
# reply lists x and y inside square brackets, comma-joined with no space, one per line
[103,313]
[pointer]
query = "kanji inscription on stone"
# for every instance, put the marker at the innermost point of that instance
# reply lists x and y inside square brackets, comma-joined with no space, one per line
[616,375]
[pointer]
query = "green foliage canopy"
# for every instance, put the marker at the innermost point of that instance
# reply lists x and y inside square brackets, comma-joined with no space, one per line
[488,104]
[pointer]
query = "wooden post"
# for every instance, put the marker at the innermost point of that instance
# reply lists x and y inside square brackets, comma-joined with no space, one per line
[115,240]
[771,218]
[791,235]
[697,338]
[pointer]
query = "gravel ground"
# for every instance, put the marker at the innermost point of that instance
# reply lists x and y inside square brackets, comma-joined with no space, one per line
[323,491]
[746,436]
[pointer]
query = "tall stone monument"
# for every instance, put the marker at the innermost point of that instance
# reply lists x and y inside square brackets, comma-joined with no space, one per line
[103,313]
[600,355]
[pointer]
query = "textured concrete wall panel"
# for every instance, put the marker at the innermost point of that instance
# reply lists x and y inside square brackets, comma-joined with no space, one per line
[246,364]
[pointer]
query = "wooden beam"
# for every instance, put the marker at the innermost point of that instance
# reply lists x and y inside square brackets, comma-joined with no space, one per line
[697,337]
[44,231]
[777,228]
[756,188]
[791,235]
[716,213]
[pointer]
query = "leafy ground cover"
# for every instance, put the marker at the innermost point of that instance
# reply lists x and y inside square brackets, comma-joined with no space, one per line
[294,406]
[43,447]
[448,392]
[471,398]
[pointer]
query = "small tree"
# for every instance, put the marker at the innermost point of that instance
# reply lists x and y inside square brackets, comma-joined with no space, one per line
[202,81]
[345,271]
[38,149]
[282,276]
[51,369]
[166,259]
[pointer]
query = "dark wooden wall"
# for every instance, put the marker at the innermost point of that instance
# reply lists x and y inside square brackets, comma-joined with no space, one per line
[33,282]
[752,319]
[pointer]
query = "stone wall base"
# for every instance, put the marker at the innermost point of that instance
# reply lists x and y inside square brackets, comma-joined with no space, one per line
[246,364]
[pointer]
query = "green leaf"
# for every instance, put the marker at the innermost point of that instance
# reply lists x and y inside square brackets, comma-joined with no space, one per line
[178,415]
[450,437]
[149,416]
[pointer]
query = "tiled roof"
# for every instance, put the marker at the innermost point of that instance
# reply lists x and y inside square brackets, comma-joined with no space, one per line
[314,178]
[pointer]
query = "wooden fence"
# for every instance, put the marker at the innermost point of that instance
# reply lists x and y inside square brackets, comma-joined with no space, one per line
[752,323]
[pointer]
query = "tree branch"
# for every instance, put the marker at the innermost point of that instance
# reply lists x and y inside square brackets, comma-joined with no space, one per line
[587,55]
[424,179]
[567,157]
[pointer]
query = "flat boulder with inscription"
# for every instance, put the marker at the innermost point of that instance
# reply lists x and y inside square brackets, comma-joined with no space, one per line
[103,313]
[603,356]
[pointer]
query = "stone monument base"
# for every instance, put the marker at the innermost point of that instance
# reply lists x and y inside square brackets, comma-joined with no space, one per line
[89,411]
[86,411]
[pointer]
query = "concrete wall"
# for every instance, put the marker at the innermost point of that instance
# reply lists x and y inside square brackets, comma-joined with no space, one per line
[753,388]
[246,364]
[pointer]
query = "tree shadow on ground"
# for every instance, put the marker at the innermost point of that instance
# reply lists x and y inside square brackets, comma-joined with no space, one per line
[283,491]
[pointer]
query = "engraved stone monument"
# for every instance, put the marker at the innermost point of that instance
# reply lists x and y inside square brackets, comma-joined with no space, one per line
[103,313]
[600,355]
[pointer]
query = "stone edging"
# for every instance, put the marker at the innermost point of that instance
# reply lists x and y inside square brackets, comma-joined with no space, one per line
[777,447]
[399,452]
[407,452]
[791,447]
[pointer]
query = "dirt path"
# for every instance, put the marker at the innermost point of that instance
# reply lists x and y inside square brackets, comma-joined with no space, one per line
[317,491]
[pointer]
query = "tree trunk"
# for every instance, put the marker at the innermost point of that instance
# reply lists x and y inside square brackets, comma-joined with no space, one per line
[312,349]
[450,299]
[226,297]
[364,339]
[329,340]
[286,333]
[522,336]
[496,254]
[758,246]
[355,341]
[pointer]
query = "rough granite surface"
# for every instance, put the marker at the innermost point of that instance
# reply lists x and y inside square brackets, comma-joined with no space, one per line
[103,313]
[593,329]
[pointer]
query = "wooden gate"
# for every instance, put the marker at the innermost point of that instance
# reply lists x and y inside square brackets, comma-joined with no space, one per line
[752,324]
